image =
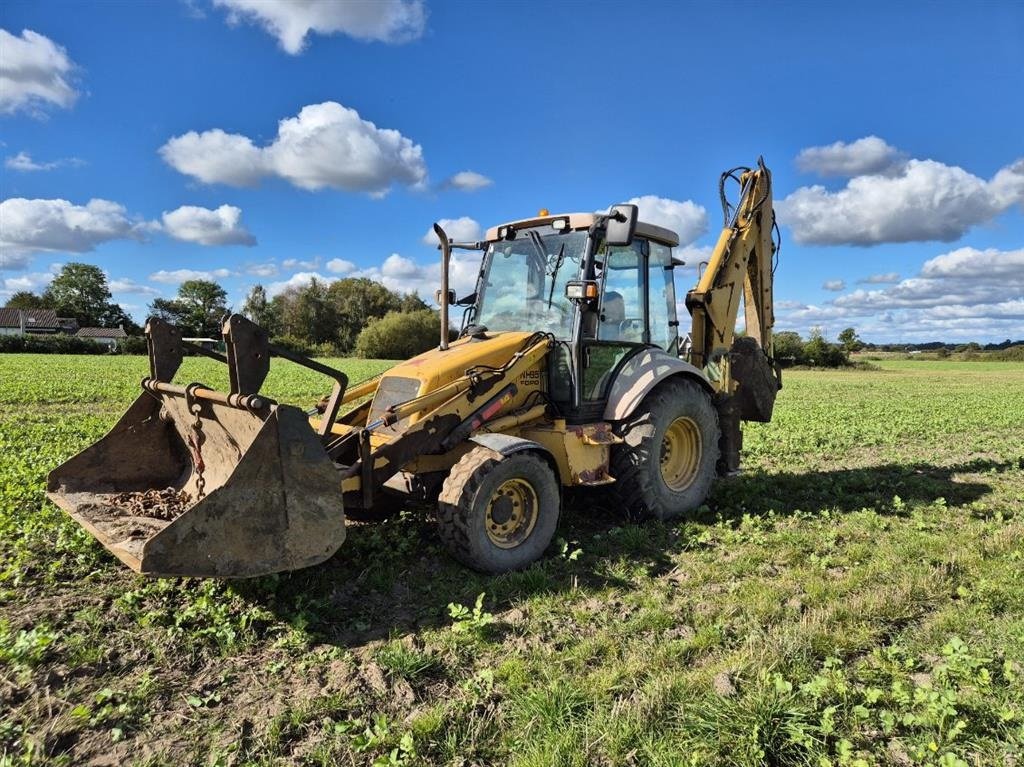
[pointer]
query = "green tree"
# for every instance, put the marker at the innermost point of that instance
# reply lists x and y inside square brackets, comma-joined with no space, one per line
[259,309]
[399,335]
[849,341]
[789,347]
[81,291]
[356,301]
[821,353]
[198,309]
[306,313]
[25,299]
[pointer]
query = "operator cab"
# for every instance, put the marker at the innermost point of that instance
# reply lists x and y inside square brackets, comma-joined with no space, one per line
[605,302]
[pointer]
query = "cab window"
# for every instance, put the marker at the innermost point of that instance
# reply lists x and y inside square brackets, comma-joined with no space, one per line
[662,296]
[622,306]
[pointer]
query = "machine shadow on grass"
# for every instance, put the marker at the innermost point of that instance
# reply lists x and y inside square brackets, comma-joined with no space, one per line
[393,577]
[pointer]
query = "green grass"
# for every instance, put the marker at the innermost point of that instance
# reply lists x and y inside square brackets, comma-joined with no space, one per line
[854,598]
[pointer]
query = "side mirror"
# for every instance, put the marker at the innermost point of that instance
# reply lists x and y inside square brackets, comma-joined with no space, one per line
[621,225]
[439,294]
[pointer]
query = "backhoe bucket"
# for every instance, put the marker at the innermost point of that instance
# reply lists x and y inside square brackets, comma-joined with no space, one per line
[193,482]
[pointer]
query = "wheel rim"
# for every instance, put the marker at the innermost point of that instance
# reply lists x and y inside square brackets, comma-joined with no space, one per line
[511,513]
[680,454]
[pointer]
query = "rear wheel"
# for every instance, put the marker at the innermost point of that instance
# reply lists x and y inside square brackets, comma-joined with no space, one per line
[498,512]
[666,466]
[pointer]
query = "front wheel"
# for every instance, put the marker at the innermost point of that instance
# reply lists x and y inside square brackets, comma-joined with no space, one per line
[666,466]
[498,512]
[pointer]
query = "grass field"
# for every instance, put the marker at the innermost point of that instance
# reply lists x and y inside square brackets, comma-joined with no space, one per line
[854,598]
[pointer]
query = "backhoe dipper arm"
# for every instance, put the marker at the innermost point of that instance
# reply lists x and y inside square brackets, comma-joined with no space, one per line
[741,264]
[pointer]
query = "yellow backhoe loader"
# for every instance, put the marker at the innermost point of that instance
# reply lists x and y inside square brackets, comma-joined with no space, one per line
[569,371]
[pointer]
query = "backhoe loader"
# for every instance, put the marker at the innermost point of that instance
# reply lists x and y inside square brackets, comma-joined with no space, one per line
[569,372]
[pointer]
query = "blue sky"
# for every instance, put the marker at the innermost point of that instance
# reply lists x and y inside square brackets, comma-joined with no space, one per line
[266,141]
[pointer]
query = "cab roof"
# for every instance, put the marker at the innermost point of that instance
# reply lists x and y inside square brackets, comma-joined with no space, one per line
[584,221]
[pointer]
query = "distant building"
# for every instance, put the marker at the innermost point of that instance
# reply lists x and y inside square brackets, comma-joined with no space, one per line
[107,336]
[20,322]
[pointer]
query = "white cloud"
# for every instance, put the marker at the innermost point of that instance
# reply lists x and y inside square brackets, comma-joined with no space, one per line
[32,226]
[864,156]
[34,73]
[178,276]
[463,229]
[340,266]
[325,145]
[222,226]
[34,282]
[24,163]
[297,263]
[269,269]
[834,285]
[687,219]
[467,181]
[407,276]
[880,279]
[290,21]
[966,276]
[297,280]
[921,201]
[967,294]
[127,285]
[214,156]
[692,256]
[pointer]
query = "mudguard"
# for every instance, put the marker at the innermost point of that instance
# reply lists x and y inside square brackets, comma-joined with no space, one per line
[641,373]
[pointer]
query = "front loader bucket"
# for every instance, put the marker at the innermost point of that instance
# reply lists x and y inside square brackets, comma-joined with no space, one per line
[260,495]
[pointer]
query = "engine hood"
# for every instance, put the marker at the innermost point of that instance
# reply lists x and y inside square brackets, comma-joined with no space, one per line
[435,368]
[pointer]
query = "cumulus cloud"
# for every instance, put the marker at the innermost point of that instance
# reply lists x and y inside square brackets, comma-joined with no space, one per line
[127,285]
[23,163]
[34,282]
[834,285]
[298,263]
[178,276]
[34,73]
[297,280]
[222,226]
[467,181]
[921,200]
[405,275]
[325,145]
[880,279]
[268,269]
[966,276]
[32,226]
[687,219]
[861,157]
[340,266]
[463,229]
[290,21]
[966,294]
[214,156]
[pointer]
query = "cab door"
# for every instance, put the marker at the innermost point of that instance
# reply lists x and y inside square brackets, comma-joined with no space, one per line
[621,327]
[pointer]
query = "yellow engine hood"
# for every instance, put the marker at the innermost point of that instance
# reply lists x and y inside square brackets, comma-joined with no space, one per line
[435,368]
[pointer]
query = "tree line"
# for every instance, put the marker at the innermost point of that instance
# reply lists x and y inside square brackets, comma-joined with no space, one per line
[342,317]
[79,291]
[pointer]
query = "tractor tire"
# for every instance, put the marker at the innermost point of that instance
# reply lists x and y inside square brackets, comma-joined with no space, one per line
[667,464]
[497,512]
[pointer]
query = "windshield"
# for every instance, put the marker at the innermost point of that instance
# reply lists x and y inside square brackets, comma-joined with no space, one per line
[524,280]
